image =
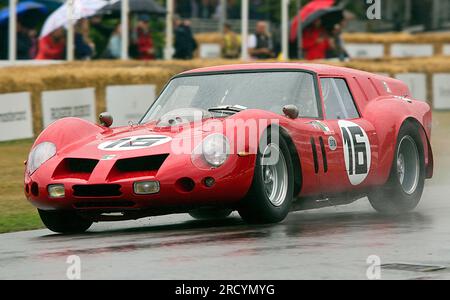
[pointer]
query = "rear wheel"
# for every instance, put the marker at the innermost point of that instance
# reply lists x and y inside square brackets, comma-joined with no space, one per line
[404,188]
[65,222]
[210,213]
[270,197]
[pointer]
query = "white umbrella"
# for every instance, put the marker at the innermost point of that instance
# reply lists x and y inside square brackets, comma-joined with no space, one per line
[81,9]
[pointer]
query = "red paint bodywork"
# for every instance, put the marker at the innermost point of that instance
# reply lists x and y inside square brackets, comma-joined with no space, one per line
[382,115]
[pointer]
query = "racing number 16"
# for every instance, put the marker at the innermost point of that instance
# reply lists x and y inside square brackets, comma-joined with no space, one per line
[357,153]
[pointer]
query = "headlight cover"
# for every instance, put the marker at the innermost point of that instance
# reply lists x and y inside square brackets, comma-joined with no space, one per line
[39,155]
[214,150]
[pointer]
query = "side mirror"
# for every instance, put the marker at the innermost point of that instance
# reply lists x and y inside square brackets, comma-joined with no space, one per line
[291,111]
[106,119]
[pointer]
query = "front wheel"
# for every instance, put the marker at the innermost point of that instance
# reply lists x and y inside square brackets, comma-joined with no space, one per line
[65,222]
[270,196]
[405,185]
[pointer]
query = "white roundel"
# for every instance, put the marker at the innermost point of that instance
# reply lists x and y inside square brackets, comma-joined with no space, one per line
[134,142]
[357,153]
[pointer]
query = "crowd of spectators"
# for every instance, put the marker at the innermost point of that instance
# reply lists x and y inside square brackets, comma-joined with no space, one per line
[93,39]
[317,43]
[99,38]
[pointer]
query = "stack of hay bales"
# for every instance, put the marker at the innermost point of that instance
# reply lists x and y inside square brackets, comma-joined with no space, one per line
[100,74]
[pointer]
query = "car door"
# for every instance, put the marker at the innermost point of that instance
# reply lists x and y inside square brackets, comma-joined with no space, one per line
[349,145]
[305,131]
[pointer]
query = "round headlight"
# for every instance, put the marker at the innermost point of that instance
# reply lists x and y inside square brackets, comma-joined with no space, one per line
[39,155]
[215,149]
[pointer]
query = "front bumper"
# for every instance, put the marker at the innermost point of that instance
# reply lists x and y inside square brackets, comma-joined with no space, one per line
[232,182]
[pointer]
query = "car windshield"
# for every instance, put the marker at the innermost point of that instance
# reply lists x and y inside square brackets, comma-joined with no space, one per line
[234,92]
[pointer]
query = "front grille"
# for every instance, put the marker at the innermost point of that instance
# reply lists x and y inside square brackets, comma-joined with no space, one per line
[141,164]
[104,204]
[97,190]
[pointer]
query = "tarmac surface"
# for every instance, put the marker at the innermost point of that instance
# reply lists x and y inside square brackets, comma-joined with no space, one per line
[331,243]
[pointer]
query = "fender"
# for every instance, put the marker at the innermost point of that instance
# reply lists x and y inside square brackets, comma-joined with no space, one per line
[66,131]
[388,114]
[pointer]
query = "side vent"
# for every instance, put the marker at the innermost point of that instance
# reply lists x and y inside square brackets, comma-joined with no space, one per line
[324,155]
[314,151]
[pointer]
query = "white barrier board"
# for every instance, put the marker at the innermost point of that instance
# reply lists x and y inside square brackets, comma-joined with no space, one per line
[446,50]
[417,83]
[15,117]
[78,103]
[365,50]
[210,51]
[441,91]
[412,50]
[129,102]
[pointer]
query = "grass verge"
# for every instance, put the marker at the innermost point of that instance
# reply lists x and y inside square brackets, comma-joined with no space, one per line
[15,212]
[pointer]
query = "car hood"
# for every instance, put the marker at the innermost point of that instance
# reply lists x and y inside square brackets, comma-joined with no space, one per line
[140,140]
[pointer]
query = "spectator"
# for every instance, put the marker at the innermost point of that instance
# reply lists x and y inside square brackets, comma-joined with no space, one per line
[114,48]
[3,42]
[337,47]
[143,40]
[84,47]
[24,42]
[316,41]
[260,44]
[185,43]
[53,45]
[100,33]
[231,44]
[32,33]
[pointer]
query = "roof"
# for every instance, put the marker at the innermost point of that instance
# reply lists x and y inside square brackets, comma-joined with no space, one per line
[320,69]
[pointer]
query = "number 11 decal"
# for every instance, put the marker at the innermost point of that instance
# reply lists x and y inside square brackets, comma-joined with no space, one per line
[357,152]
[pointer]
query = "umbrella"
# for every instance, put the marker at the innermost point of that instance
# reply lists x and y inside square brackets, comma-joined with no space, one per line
[317,9]
[52,5]
[136,6]
[24,8]
[81,9]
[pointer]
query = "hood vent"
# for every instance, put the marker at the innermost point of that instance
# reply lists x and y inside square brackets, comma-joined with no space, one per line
[141,164]
[135,167]
[79,168]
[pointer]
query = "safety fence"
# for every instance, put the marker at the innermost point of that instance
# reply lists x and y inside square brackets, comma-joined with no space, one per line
[33,97]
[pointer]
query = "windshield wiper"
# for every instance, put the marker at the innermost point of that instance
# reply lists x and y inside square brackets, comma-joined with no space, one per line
[228,108]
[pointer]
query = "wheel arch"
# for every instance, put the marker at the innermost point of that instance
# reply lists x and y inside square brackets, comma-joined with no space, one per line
[427,150]
[388,116]
[294,156]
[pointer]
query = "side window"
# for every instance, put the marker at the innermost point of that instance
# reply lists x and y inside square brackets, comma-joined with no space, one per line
[306,99]
[338,101]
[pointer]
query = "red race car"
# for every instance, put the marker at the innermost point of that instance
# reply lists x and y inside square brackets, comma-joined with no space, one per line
[262,139]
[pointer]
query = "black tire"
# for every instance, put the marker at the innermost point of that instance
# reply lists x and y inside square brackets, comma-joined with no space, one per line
[65,222]
[257,208]
[392,198]
[210,213]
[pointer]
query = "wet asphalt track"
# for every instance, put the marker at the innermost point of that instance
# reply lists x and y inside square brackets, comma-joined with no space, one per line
[331,243]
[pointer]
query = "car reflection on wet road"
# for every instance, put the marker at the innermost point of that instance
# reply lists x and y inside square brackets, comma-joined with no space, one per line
[324,244]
